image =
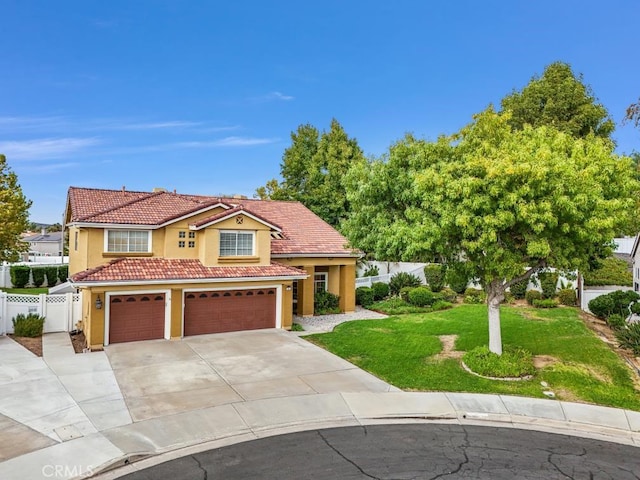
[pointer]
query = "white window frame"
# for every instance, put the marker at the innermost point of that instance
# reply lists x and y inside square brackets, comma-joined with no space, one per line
[325,280]
[236,232]
[106,240]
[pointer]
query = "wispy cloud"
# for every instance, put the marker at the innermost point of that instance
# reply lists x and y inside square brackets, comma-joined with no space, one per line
[45,148]
[273,97]
[151,125]
[33,123]
[49,167]
[227,142]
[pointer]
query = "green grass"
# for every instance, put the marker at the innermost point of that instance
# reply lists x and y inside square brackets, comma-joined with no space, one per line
[397,306]
[401,351]
[26,291]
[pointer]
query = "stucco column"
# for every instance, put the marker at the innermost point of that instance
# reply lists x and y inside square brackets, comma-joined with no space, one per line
[176,313]
[305,292]
[348,288]
[95,340]
[333,282]
[287,305]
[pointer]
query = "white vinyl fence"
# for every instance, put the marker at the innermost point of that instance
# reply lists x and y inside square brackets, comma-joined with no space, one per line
[61,312]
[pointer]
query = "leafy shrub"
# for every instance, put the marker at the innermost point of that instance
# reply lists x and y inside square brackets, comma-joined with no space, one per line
[441,305]
[545,303]
[37,274]
[519,289]
[28,325]
[567,296]
[380,290]
[448,295]
[614,302]
[457,279]
[421,297]
[616,321]
[514,362]
[474,295]
[532,295]
[396,306]
[404,293]
[63,273]
[434,273]
[19,275]
[548,283]
[296,327]
[326,302]
[508,297]
[629,337]
[52,275]
[371,271]
[364,296]
[611,271]
[403,279]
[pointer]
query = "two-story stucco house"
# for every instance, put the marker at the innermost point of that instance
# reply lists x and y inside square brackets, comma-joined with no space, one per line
[155,265]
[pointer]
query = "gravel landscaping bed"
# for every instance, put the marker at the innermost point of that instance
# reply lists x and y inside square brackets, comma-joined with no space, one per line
[326,323]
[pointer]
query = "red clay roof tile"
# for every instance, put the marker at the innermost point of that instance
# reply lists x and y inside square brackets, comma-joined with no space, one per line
[303,232]
[145,269]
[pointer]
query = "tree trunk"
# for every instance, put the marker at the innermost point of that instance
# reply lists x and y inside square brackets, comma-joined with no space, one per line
[494,298]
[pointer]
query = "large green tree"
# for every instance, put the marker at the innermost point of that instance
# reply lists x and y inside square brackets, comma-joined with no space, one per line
[559,99]
[14,213]
[509,202]
[313,169]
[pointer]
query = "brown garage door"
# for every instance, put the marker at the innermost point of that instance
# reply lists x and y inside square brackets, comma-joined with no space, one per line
[229,311]
[136,317]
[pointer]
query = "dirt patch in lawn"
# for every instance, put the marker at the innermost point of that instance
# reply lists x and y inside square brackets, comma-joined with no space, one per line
[34,345]
[542,361]
[448,348]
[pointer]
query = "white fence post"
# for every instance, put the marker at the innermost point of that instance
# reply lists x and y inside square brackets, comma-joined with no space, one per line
[3,313]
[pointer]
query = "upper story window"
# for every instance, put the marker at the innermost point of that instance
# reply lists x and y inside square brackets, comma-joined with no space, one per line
[234,244]
[127,241]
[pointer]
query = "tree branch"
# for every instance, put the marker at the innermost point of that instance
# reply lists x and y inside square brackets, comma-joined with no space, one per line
[536,268]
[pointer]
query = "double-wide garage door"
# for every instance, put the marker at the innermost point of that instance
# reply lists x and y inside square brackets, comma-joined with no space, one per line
[229,310]
[136,317]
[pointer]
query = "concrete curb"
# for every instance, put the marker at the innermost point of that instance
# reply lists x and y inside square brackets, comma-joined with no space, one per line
[261,418]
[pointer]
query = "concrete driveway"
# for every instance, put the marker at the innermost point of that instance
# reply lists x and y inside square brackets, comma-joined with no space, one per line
[159,378]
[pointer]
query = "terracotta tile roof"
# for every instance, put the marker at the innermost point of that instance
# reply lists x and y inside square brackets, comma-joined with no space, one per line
[303,232]
[134,269]
[231,212]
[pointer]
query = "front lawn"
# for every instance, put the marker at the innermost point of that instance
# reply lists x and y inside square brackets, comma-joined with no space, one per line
[26,291]
[406,352]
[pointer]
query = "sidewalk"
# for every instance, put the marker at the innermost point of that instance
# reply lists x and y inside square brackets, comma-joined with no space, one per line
[64,416]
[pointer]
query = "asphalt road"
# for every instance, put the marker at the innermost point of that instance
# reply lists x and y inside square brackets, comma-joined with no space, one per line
[413,451]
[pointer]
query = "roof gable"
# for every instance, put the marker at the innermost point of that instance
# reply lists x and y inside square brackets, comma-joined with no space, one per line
[234,212]
[302,232]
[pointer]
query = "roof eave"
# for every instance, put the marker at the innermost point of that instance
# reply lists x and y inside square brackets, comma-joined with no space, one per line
[109,283]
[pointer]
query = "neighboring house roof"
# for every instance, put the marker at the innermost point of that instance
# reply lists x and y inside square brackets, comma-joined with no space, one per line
[627,258]
[302,231]
[47,237]
[164,269]
[636,243]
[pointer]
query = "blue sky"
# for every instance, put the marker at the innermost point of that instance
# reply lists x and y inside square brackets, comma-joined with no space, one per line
[201,96]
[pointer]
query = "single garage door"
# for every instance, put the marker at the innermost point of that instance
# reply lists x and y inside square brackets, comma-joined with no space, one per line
[229,311]
[136,317]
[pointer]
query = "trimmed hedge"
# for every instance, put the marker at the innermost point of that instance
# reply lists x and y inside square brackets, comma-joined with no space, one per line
[19,275]
[380,291]
[28,325]
[614,302]
[364,296]
[519,289]
[533,295]
[448,295]
[548,283]
[434,273]
[37,274]
[52,275]
[63,273]
[474,295]
[421,297]
[457,279]
[567,296]
[545,303]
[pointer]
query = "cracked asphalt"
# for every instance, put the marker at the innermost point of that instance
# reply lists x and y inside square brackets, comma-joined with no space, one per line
[408,451]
